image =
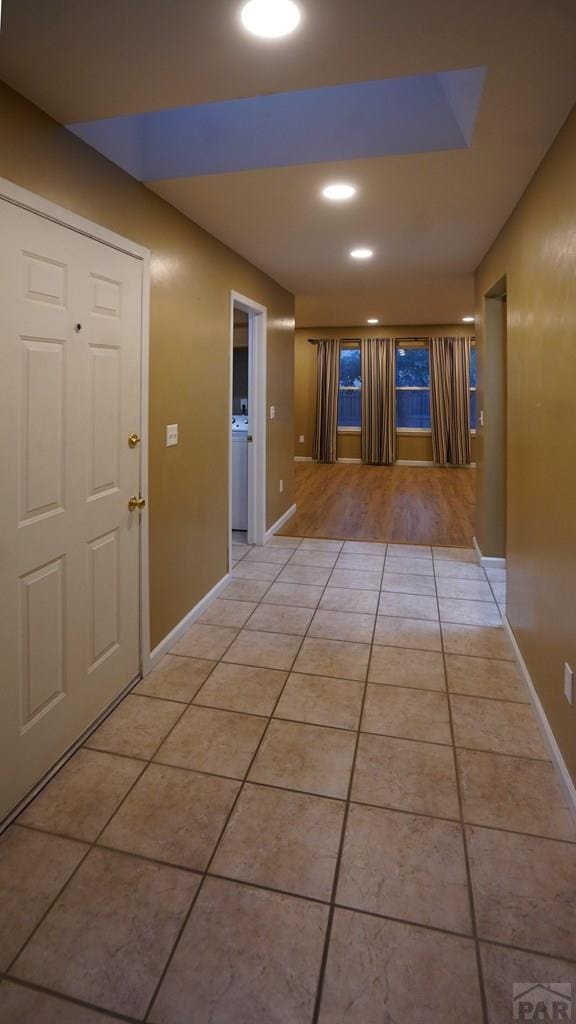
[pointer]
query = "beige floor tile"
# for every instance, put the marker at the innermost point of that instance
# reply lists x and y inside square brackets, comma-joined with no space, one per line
[245,590]
[513,793]
[355,579]
[485,677]
[246,956]
[496,575]
[284,542]
[469,590]
[364,547]
[498,726]
[406,583]
[343,626]
[242,688]
[499,591]
[477,641]
[301,595]
[21,1005]
[320,700]
[409,566]
[409,551]
[262,571]
[305,757]
[310,575]
[459,571]
[386,971]
[416,634]
[405,866]
[221,742]
[524,891]
[316,543]
[274,555]
[176,678]
[346,600]
[410,714]
[282,840]
[409,606]
[33,869]
[318,559]
[333,658]
[502,968]
[263,650]
[107,938]
[406,775]
[364,563]
[455,555]
[397,666]
[173,815]
[227,613]
[275,618]
[469,613]
[205,641]
[137,727]
[239,550]
[83,795]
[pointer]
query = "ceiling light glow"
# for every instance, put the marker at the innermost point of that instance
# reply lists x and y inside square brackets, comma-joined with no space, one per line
[468,319]
[339,191]
[270,19]
[372,320]
[361,254]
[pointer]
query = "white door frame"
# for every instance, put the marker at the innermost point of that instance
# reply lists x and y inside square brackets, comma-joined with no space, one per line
[59,215]
[257,346]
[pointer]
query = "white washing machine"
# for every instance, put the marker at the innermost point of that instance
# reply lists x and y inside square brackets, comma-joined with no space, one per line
[239,472]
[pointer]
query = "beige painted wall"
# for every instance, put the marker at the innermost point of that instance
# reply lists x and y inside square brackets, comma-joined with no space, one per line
[192,276]
[411,447]
[536,252]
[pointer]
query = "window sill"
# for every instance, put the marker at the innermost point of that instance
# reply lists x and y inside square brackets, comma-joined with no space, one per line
[349,430]
[401,431]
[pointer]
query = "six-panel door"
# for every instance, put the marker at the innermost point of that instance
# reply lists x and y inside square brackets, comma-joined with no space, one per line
[70,350]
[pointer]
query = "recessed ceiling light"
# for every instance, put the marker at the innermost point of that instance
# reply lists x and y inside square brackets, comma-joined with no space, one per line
[372,320]
[270,19]
[339,191]
[361,254]
[468,319]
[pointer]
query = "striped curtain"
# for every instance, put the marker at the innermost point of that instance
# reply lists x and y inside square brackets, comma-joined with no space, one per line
[327,382]
[378,401]
[450,400]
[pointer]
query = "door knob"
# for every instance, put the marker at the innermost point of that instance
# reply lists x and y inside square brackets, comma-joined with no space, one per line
[133,440]
[136,502]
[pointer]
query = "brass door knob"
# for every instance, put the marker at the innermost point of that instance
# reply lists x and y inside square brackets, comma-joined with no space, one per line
[136,502]
[133,440]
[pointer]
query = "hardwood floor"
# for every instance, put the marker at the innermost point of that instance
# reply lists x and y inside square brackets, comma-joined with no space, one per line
[402,504]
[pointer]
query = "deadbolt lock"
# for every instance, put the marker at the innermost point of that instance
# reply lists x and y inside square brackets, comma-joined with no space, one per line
[136,502]
[133,440]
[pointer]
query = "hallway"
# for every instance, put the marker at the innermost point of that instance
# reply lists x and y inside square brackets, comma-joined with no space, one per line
[330,803]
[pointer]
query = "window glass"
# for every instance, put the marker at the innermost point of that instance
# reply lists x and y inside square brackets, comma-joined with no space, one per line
[350,392]
[473,388]
[413,387]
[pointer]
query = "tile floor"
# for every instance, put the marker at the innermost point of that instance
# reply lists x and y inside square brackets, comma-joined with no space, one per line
[329,804]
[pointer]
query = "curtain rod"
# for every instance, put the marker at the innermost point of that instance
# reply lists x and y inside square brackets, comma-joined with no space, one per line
[314,341]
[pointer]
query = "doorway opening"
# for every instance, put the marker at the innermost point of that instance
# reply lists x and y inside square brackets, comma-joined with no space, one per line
[247,485]
[493,418]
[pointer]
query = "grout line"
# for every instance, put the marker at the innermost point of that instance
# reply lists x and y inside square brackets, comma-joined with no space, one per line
[472,908]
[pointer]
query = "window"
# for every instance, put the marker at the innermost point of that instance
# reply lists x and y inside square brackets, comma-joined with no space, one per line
[413,387]
[350,390]
[473,388]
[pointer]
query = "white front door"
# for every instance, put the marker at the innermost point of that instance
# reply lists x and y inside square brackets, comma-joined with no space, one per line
[70,350]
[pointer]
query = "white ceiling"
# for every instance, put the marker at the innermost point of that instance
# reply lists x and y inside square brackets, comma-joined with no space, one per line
[429,217]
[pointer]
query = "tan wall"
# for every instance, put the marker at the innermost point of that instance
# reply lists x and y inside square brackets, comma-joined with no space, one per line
[192,275]
[412,448]
[536,252]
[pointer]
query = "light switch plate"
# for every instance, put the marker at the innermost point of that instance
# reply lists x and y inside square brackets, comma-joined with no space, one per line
[272,412]
[171,435]
[568,683]
[481,418]
[301,438]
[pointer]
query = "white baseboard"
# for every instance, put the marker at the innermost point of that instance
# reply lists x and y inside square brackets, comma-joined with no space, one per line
[279,523]
[413,462]
[486,561]
[303,458]
[354,461]
[557,759]
[168,642]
